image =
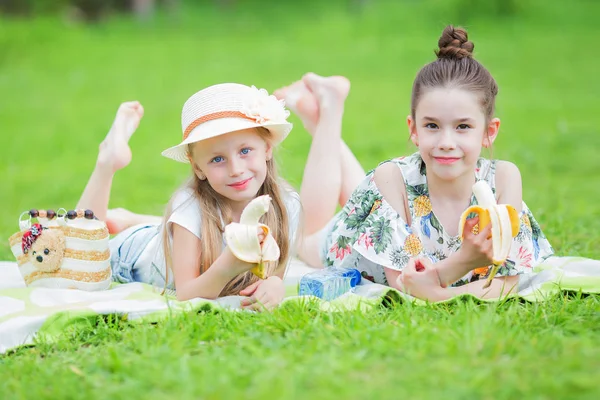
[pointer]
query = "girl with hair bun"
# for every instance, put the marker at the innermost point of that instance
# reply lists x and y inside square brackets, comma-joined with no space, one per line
[401,225]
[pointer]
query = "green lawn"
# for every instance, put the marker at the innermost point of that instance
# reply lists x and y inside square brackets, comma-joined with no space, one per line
[62,83]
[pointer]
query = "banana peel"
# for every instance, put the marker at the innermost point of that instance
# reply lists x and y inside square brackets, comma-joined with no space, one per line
[505,224]
[242,237]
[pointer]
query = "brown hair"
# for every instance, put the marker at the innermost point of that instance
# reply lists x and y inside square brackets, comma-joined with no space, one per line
[213,206]
[456,68]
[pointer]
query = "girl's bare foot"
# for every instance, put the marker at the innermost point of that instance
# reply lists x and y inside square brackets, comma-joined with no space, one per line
[301,102]
[330,92]
[114,152]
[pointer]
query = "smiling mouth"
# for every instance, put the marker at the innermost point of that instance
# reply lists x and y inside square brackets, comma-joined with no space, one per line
[241,184]
[446,160]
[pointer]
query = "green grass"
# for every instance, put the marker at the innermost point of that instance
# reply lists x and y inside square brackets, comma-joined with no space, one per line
[464,351]
[62,83]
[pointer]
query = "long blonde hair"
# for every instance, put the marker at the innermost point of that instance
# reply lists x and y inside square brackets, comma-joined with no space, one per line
[213,206]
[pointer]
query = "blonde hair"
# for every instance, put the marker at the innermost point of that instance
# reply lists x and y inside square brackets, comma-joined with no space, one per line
[212,230]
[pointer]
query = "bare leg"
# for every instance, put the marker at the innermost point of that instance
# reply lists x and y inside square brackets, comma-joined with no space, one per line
[303,102]
[330,176]
[114,154]
[119,219]
[322,180]
[352,173]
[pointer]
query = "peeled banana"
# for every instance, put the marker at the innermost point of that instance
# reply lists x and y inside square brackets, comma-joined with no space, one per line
[242,237]
[504,219]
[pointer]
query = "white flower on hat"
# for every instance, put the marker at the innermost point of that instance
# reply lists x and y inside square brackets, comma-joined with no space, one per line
[262,107]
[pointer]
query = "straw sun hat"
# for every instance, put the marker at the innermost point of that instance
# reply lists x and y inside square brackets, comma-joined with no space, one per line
[229,107]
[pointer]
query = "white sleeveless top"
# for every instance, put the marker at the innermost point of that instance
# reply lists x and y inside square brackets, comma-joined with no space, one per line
[186,213]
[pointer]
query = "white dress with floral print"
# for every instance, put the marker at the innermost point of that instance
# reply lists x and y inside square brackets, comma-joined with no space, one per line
[369,234]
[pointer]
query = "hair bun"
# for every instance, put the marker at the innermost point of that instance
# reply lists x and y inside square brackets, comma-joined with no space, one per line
[454,44]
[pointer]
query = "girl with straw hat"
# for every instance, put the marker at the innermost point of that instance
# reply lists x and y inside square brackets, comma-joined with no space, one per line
[229,134]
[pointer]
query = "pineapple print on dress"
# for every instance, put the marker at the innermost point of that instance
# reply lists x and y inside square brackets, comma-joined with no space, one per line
[422,211]
[383,239]
[526,221]
[422,206]
[412,245]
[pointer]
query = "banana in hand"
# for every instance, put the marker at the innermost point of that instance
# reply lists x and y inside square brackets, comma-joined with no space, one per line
[504,219]
[243,241]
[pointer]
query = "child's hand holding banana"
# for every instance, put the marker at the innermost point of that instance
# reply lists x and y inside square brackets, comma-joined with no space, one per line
[504,221]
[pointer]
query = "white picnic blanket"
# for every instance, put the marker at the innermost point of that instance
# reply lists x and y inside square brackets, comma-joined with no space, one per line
[28,312]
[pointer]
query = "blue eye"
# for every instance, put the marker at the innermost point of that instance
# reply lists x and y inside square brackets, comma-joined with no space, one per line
[431,125]
[217,159]
[245,150]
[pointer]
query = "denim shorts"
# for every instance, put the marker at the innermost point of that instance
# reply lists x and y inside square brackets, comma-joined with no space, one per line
[126,249]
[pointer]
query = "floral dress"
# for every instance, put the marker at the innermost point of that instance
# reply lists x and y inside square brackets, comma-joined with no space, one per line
[369,234]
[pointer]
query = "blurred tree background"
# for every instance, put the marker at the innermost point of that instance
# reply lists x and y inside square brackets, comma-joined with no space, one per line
[89,10]
[94,10]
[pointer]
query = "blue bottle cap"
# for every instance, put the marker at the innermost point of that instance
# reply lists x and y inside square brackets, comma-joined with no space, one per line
[354,274]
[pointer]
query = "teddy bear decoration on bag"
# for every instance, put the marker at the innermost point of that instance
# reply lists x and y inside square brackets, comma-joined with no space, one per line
[63,249]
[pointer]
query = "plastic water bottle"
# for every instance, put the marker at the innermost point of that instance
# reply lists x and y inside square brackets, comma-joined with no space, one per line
[329,283]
